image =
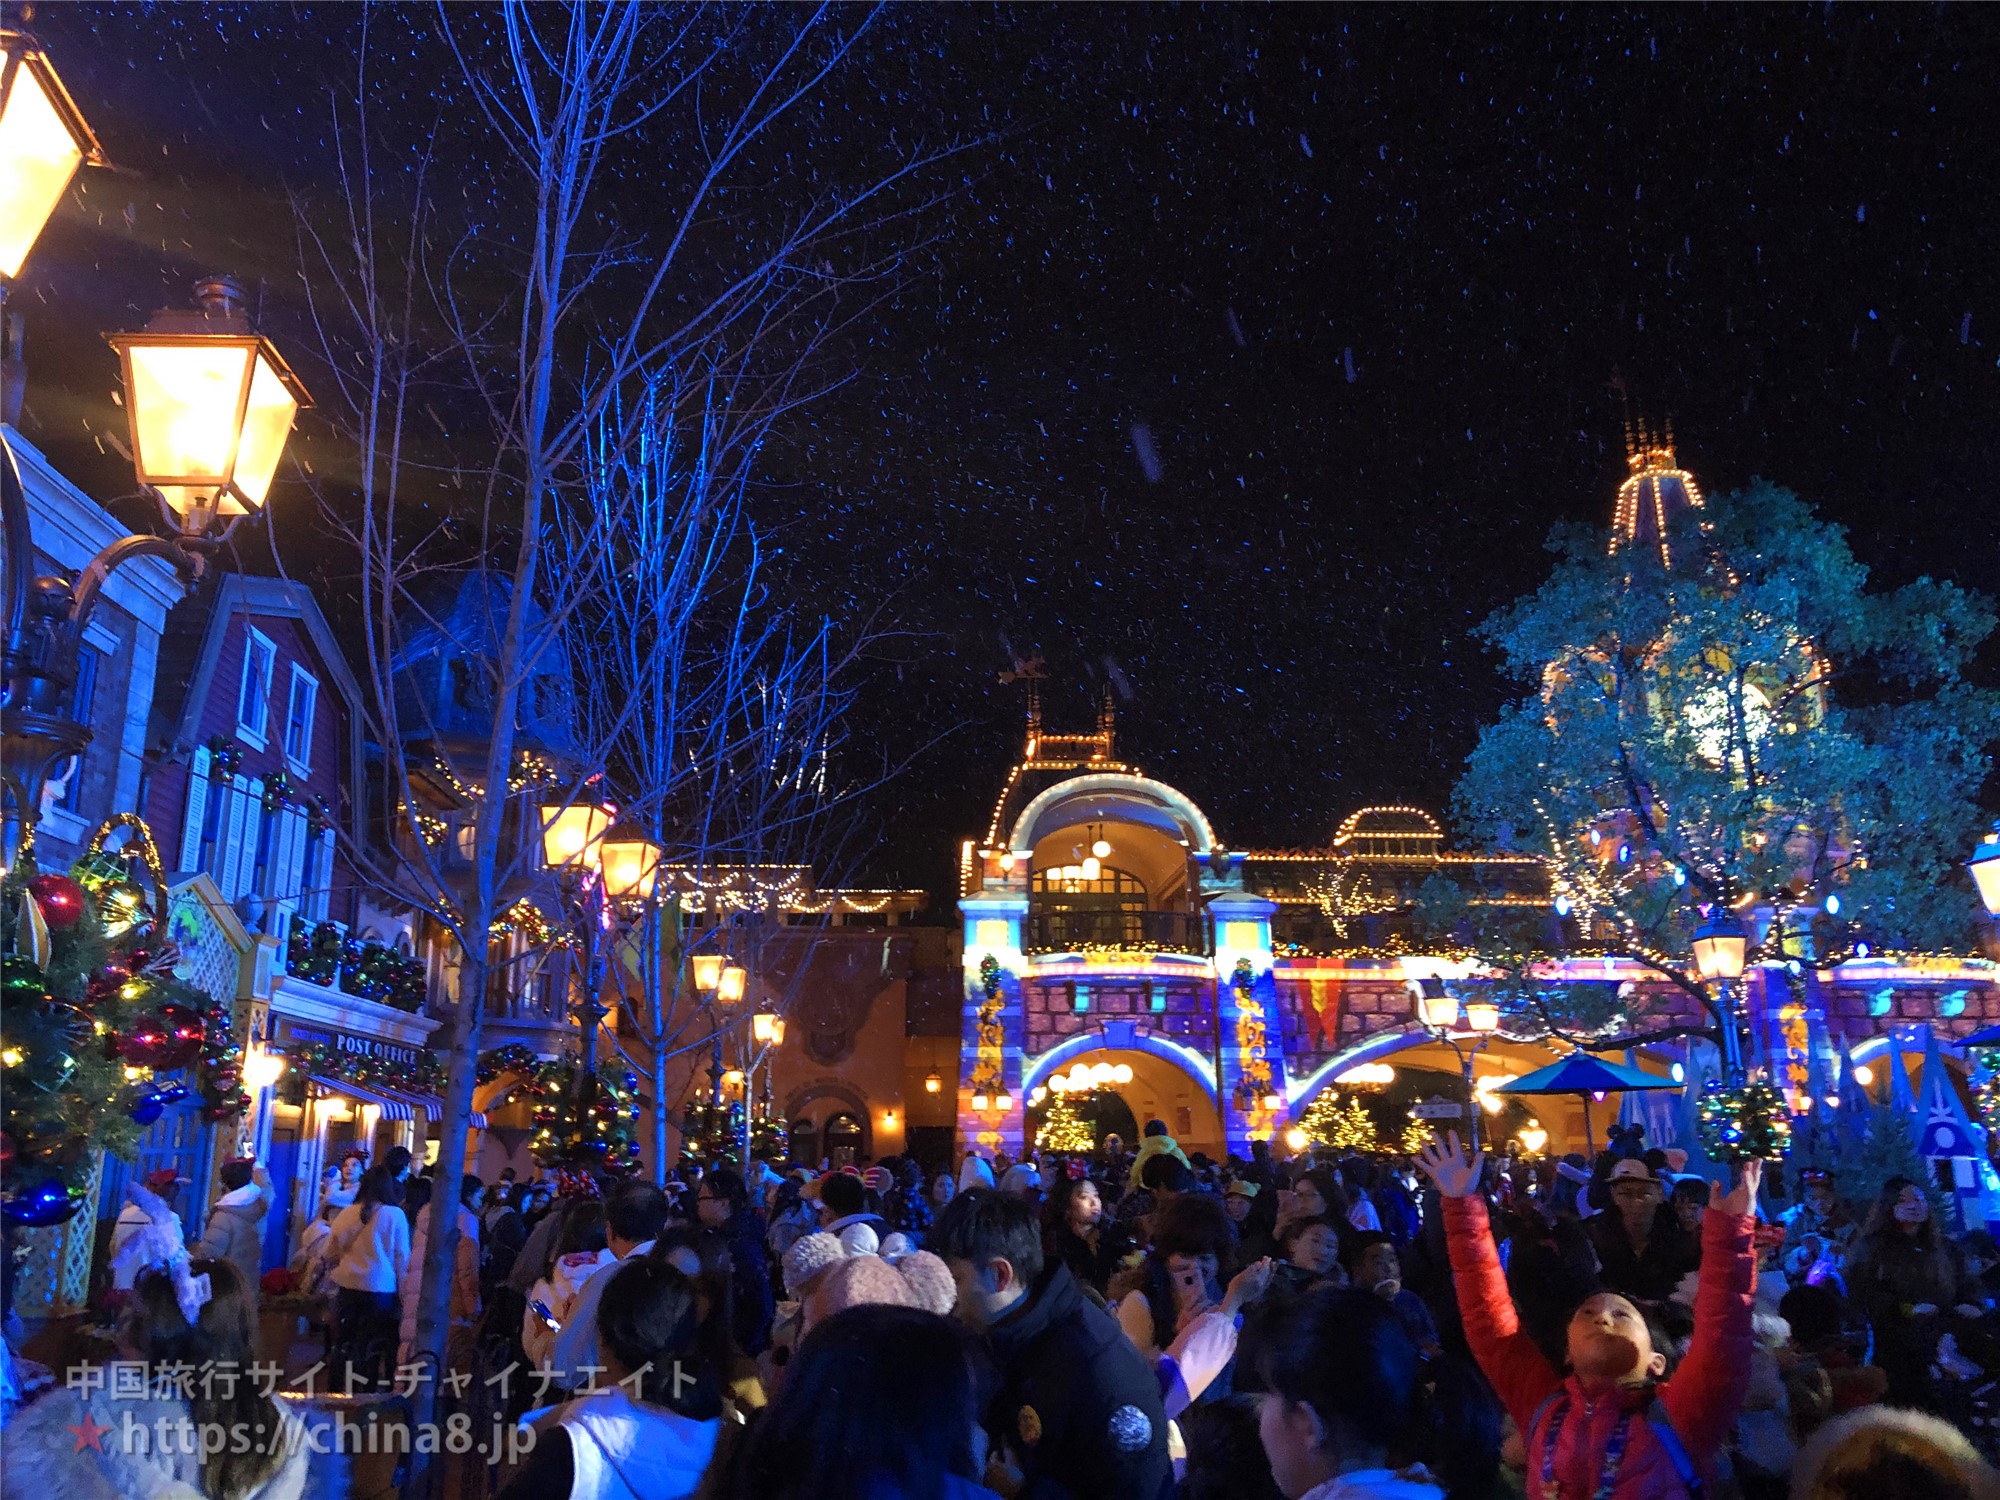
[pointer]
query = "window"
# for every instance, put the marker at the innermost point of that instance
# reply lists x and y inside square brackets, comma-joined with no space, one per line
[80,704]
[253,696]
[299,719]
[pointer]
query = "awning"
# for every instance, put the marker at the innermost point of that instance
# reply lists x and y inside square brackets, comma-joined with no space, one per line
[394,1103]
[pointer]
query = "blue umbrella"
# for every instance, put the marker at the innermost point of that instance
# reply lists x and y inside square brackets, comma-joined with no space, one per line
[1986,1036]
[1582,1074]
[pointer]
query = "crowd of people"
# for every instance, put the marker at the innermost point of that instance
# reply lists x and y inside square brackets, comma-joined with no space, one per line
[1123,1323]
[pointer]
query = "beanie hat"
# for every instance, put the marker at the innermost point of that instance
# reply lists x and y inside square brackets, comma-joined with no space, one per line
[860,1239]
[810,1255]
[974,1171]
[859,1281]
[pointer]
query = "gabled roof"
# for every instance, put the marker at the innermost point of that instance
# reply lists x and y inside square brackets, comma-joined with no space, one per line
[191,650]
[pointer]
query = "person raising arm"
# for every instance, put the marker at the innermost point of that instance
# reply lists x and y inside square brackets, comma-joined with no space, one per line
[1612,1423]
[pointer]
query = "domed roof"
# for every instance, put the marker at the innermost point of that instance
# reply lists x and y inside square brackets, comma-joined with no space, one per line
[1405,832]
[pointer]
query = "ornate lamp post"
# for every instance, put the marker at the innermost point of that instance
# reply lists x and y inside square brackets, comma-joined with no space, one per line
[1438,1013]
[211,403]
[1720,948]
[43,140]
[603,867]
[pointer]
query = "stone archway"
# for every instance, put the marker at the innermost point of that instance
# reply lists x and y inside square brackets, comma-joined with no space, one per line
[817,1104]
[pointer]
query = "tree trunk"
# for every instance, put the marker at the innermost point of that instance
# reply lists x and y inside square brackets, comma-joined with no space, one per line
[441,1248]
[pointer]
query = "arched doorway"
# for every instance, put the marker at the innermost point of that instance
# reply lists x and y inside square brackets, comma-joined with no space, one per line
[844,1139]
[1147,1087]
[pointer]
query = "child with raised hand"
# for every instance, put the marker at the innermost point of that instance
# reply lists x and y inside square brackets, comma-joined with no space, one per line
[1611,1425]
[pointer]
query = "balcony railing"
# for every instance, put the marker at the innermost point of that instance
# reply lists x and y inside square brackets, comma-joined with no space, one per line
[1117,931]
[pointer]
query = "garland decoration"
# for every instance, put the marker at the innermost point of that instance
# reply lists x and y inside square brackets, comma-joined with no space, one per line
[424,1076]
[1743,1121]
[325,955]
[988,1072]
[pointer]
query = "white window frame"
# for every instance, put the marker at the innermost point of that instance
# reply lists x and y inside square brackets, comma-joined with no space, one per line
[301,678]
[253,735]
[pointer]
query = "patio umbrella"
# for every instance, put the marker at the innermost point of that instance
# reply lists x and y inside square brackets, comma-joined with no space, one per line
[1584,1075]
[1986,1036]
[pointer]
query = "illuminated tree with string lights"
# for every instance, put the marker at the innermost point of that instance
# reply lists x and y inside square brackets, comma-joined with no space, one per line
[1726,718]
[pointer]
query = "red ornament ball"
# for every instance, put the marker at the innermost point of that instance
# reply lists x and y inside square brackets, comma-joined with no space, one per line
[60,898]
[165,1039]
[109,979]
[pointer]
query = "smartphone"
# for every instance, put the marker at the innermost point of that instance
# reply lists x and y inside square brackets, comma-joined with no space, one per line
[541,1310]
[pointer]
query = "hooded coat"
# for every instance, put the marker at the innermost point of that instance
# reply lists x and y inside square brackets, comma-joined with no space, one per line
[235,1231]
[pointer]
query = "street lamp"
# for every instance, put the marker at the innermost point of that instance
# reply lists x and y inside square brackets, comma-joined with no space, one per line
[933,1082]
[1720,947]
[767,1028]
[729,987]
[204,448]
[43,140]
[708,971]
[600,865]
[1437,1012]
[570,832]
[211,403]
[1985,868]
[630,862]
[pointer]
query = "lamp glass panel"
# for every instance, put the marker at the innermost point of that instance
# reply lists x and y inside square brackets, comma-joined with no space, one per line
[729,989]
[1986,876]
[763,1025]
[631,867]
[184,399]
[1438,1010]
[38,156]
[1482,1015]
[569,834]
[708,971]
[267,422]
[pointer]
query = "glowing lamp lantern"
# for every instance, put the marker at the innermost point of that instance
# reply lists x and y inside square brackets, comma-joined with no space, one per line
[262,1069]
[1122,1073]
[1985,868]
[933,1083]
[1101,849]
[767,1028]
[979,1103]
[1003,1102]
[1439,1011]
[1273,1103]
[630,862]
[211,404]
[1482,1016]
[1090,869]
[729,988]
[1719,948]
[1101,1074]
[570,834]
[1296,1140]
[708,972]
[43,140]
[1533,1138]
[1058,1084]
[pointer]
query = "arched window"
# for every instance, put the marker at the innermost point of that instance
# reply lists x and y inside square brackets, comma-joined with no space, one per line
[843,1140]
[1113,890]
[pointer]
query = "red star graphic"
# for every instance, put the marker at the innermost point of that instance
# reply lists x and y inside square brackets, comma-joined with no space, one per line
[89,1434]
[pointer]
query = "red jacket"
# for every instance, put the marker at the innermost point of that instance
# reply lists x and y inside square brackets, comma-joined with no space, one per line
[1701,1399]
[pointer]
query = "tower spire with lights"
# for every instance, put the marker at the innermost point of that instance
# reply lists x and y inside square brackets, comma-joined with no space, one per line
[1654,494]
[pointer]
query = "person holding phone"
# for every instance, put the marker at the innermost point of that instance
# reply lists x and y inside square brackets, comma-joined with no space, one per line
[580,1252]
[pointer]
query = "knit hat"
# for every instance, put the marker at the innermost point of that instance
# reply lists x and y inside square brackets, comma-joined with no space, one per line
[974,1171]
[810,1255]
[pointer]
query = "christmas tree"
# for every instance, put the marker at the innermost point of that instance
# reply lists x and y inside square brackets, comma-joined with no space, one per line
[603,1136]
[1341,1122]
[1884,1147]
[90,1012]
[1064,1128]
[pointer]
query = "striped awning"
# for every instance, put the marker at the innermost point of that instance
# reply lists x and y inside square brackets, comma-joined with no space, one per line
[395,1104]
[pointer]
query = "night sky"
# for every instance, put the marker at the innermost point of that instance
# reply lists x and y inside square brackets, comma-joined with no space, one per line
[1249,360]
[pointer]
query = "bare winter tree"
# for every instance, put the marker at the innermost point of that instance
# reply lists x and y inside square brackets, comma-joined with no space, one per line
[723,705]
[631,198]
